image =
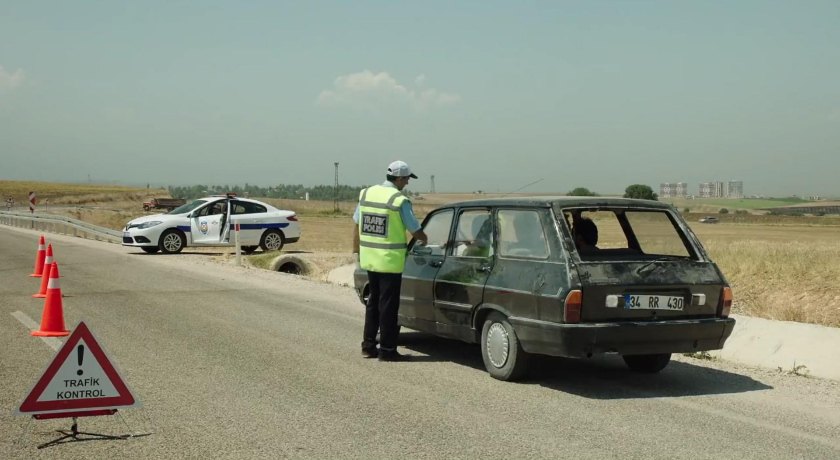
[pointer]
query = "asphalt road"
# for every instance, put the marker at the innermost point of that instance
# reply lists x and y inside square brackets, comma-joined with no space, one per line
[232,362]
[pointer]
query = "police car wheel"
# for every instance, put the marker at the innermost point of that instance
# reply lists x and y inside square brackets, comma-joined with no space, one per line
[172,241]
[272,240]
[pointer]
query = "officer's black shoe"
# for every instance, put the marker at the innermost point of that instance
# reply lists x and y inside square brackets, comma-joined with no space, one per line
[392,356]
[370,352]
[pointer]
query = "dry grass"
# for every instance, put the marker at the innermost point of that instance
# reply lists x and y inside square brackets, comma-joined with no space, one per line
[779,272]
[57,193]
[780,267]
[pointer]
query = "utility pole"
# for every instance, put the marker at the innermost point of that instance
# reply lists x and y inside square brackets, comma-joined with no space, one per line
[433,184]
[335,190]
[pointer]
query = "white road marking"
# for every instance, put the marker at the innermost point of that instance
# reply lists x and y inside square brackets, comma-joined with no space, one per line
[52,342]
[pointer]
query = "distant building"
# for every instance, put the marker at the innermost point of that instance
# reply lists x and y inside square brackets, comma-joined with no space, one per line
[710,189]
[673,190]
[735,189]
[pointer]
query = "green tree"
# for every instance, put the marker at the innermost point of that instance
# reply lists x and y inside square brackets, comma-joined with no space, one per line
[640,191]
[581,191]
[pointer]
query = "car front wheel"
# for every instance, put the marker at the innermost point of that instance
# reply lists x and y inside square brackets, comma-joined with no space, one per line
[649,364]
[172,241]
[272,240]
[503,355]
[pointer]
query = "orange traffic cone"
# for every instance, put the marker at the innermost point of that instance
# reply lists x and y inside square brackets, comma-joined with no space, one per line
[39,258]
[52,319]
[45,279]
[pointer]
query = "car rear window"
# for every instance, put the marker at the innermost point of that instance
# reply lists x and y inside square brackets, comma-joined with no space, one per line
[627,234]
[657,234]
[246,207]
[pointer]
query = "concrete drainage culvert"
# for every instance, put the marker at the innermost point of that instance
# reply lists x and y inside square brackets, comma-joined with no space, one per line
[293,265]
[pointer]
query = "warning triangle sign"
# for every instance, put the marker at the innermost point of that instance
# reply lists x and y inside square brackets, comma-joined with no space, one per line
[80,376]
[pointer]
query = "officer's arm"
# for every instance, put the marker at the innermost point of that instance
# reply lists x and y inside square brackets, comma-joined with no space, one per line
[411,223]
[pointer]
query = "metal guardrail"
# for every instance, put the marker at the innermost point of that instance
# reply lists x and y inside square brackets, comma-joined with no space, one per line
[59,224]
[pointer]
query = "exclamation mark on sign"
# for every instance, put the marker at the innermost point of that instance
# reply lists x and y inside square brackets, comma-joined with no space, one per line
[81,353]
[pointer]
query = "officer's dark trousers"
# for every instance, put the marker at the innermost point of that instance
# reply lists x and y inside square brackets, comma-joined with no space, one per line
[381,311]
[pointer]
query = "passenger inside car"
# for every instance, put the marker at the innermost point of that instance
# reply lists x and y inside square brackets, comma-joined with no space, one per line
[586,235]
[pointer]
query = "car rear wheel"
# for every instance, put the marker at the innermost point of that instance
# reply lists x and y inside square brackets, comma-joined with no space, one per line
[272,240]
[150,249]
[249,249]
[649,364]
[172,241]
[501,351]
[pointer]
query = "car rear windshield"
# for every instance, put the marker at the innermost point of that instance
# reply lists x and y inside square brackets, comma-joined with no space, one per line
[627,234]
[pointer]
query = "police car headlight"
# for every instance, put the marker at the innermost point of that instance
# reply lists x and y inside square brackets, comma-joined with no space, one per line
[149,224]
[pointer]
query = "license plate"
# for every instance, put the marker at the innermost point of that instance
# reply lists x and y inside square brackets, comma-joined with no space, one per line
[653,302]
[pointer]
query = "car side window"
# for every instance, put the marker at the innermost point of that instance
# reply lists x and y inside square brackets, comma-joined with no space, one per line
[473,234]
[437,228]
[521,234]
[244,207]
[212,209]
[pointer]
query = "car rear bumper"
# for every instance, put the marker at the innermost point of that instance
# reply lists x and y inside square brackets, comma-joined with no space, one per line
[626,338]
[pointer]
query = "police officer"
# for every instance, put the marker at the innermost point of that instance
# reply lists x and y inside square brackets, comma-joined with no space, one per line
[382,217]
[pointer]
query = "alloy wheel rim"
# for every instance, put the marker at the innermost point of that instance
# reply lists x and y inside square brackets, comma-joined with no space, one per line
[172,242]
[272,241]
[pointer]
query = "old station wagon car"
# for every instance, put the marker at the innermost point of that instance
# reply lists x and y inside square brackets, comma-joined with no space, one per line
[516,276]
[210,221]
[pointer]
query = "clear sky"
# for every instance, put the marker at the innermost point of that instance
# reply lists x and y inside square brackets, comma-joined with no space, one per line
[484,95]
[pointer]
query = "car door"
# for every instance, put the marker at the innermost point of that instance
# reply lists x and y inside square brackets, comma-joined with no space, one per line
[207,224]
[253,219]
[421,267]
[459,284]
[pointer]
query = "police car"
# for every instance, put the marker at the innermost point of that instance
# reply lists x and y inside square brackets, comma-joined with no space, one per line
[210,221]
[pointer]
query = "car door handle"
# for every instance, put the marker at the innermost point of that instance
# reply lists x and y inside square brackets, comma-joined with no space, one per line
[436,263]
[485,268]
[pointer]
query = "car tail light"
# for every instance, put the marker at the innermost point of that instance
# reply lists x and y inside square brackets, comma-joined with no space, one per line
[571,308]
[725,304]
[292,218]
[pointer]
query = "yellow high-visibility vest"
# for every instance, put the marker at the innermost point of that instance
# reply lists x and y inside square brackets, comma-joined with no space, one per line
[382,240]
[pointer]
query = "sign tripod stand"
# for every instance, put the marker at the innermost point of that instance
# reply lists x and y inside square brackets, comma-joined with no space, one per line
[72,435]
[74,386]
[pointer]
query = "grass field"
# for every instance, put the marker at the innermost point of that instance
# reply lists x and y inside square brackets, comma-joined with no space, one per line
[780,267]
[713,205]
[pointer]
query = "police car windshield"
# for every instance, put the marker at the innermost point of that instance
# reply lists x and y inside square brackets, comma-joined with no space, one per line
[183,209]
